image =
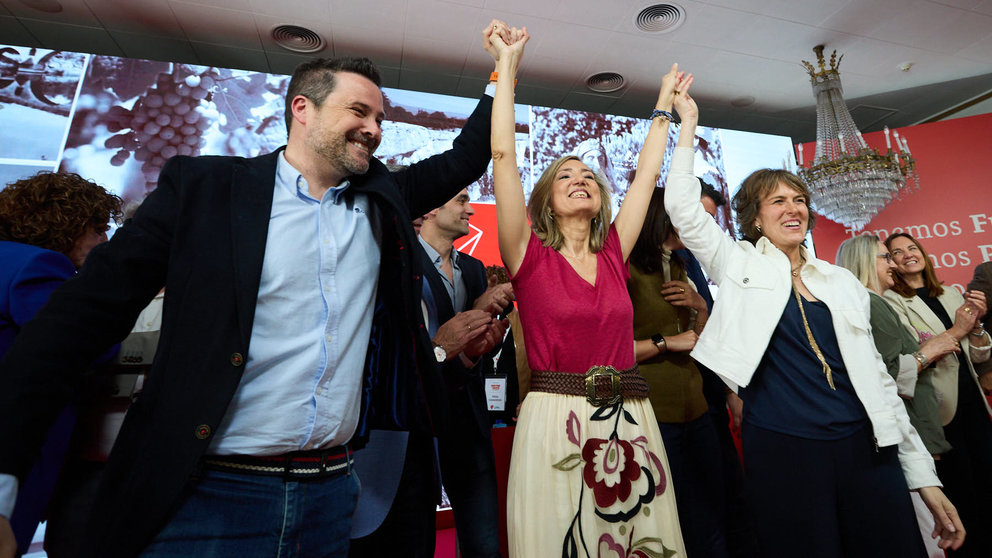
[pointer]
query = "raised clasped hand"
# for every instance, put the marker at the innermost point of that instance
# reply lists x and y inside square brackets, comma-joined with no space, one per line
[683,102]
[499,39]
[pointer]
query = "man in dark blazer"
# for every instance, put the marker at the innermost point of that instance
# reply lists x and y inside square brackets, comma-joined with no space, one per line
[455,282]
[206,233]
[402,501]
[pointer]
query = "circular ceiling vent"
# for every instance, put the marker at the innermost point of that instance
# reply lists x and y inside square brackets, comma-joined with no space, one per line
[297,39]
[605,82]
[660,18]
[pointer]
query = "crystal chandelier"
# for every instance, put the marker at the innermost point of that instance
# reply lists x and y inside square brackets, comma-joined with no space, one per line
[849,181]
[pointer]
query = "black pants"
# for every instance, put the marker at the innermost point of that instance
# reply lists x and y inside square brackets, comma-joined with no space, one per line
[694,459]
[828,498]
[965,470]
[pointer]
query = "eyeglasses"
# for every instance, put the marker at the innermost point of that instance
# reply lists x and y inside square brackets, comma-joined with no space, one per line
[886,256]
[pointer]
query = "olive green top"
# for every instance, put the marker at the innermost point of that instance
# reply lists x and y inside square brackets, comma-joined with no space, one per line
[676,387]
[893,339]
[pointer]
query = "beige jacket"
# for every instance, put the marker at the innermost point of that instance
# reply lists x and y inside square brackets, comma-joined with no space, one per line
[923,323]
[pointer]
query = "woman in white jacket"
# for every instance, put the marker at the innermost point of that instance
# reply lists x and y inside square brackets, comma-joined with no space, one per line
[829,453]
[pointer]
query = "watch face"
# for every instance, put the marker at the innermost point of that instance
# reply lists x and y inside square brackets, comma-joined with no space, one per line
[439,354]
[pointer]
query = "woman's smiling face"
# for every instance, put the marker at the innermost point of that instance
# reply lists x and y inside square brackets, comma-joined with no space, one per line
[907,256]
[784,217]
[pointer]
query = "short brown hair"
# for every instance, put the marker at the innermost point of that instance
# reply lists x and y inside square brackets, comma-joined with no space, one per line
[315,79]
[930,280]
[754,190]
[543,222]
[52,209]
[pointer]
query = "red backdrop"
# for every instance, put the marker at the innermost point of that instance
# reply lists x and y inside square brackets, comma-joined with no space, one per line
[951,213]
[481,241]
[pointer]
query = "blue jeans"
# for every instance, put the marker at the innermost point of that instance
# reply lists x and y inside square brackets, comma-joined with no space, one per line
[231,514]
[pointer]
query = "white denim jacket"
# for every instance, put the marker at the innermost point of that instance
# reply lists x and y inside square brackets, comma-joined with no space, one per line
[755,285]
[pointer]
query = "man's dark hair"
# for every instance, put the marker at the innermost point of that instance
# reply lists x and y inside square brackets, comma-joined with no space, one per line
[315,79]
[712,193]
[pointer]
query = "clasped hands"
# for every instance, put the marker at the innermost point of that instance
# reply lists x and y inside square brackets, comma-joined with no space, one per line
[499,38]
[477,331]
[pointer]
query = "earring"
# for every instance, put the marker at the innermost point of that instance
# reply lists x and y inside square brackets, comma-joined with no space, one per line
[551,214]
[759,228]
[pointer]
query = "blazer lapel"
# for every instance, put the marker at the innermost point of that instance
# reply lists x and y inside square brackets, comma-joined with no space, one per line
[474,277]
[924,314]
[251,206]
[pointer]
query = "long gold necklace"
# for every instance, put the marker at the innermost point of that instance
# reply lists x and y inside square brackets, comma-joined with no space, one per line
[809,333]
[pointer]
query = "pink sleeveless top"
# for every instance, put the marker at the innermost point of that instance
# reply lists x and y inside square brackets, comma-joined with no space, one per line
[570,325]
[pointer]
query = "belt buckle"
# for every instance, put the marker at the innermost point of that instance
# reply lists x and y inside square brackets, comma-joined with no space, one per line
[602,372]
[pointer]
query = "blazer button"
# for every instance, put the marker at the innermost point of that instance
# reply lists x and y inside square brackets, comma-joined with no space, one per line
[745,280]
[237,359]
[202,432]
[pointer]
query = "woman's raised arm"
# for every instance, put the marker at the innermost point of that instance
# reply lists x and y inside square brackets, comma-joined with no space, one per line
[630,218]
[511,210]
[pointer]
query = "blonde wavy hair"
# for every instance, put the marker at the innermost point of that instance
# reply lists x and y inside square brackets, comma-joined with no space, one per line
[858,255]
[542,220]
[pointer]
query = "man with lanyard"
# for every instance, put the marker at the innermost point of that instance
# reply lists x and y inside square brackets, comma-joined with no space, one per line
[400,505]
[454,284]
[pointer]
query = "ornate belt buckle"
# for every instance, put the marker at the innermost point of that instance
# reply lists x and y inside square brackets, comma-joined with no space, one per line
[591,382]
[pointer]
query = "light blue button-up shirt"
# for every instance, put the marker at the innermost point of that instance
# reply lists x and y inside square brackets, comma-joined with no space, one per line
[302,380]
[455,286]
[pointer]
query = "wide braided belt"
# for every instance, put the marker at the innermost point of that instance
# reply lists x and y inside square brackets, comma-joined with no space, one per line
[601,385]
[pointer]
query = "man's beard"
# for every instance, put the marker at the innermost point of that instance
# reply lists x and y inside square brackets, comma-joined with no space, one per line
[336,152]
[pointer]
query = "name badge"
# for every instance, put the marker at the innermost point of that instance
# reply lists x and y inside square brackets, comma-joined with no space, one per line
[496,393]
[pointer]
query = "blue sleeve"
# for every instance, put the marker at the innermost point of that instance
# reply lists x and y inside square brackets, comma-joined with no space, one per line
[34,283]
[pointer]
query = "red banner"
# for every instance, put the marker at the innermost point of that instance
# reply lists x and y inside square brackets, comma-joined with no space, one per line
[950,214]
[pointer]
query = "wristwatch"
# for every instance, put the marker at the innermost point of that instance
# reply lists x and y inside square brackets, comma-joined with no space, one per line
[439,353]
[659,341]
[921,358]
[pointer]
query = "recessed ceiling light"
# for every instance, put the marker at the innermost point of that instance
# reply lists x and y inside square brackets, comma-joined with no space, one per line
[660,18]
[47,6]
[745,101]
[297,39]
[605,82]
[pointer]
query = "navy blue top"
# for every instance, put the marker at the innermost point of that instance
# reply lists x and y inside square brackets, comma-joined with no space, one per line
[789,392]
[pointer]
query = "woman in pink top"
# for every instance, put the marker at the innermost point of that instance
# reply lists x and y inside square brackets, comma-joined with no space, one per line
[588,474]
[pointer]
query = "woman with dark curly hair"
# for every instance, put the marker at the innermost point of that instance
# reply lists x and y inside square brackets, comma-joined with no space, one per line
[48,224]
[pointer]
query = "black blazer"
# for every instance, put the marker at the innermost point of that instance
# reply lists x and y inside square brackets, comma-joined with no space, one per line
[464,385]
[201,234]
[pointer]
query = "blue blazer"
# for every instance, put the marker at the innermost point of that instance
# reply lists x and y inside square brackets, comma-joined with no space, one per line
[202,234]
[28,277]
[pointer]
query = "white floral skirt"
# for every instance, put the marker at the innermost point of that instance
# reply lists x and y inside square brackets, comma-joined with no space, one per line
[590,481]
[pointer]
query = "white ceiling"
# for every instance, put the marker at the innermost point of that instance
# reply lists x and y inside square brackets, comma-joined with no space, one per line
[736,48]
